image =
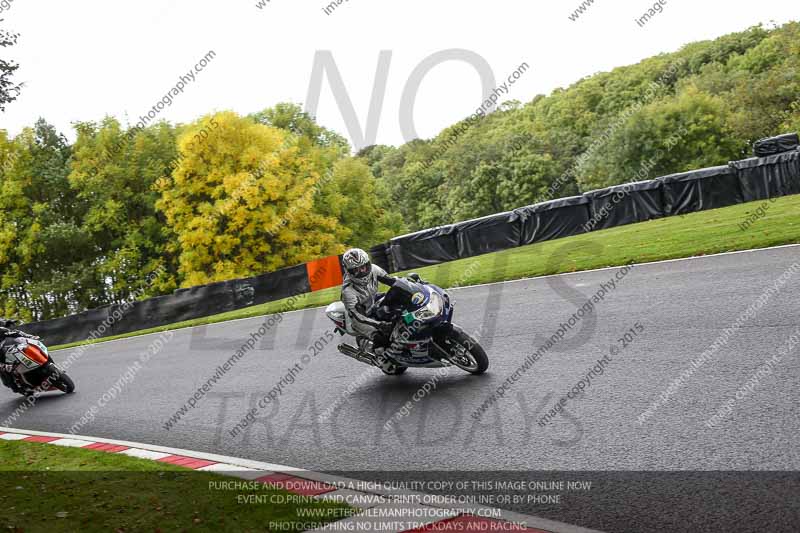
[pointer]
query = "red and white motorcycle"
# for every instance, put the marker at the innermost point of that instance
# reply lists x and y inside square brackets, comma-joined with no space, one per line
[26,366]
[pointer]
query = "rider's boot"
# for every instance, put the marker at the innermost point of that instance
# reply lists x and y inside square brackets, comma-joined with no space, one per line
[382,359]
[8,380]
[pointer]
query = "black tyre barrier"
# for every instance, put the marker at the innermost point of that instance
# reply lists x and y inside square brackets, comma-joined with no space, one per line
[776,145]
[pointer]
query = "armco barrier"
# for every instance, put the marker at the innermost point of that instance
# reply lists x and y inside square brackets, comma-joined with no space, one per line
[687,192]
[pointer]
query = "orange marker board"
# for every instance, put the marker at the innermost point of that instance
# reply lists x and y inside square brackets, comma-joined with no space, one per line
[324,273]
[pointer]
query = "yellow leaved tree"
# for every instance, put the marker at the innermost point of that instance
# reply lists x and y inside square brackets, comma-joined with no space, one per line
[241,200]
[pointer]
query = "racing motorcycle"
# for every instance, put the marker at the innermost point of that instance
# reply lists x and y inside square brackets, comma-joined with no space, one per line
[424,331]
[26,366]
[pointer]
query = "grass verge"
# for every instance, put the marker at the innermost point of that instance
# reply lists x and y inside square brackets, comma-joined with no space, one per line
[52,488]
[702,233]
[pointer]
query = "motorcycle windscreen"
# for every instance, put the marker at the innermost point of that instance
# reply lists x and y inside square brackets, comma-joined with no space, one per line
[400,296]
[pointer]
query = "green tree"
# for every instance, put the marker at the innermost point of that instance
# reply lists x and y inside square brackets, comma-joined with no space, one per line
[9,90]
[292,118]
[360,203]
[44,247]
[113,173]
[765,84]
[606,129]
[676,134]
[242,202]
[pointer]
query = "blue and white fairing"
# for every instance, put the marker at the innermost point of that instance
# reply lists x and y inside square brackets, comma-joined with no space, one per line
[424,310]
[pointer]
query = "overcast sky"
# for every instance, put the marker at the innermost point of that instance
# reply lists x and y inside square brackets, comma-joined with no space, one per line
[83,59]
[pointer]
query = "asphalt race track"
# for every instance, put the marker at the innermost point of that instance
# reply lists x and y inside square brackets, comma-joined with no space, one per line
[677,309]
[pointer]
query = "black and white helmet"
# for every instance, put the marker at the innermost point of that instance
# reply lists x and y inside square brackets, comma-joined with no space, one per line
[357,264]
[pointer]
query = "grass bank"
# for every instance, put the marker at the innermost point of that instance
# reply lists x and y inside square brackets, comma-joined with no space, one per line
[53,488]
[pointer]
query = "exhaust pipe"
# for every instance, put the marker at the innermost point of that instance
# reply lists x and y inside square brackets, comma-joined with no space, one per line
[355,353]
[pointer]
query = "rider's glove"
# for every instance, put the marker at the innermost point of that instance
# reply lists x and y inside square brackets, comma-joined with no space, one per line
[386,328]
[383,313]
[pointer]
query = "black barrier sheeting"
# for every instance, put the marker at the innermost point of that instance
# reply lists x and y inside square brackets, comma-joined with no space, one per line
[553,220]
[697,190]
[488,234]
[212,299]
[625,204]
[183,304]
[72,328]
[769,177]
[380,256]
[280,284]
[426,247]
[776,145]
[215,298]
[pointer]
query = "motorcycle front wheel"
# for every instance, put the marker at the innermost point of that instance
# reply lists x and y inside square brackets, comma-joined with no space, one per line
[60,380]
[464,352]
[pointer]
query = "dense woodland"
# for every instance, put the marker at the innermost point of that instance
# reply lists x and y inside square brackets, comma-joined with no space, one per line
[227,196]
